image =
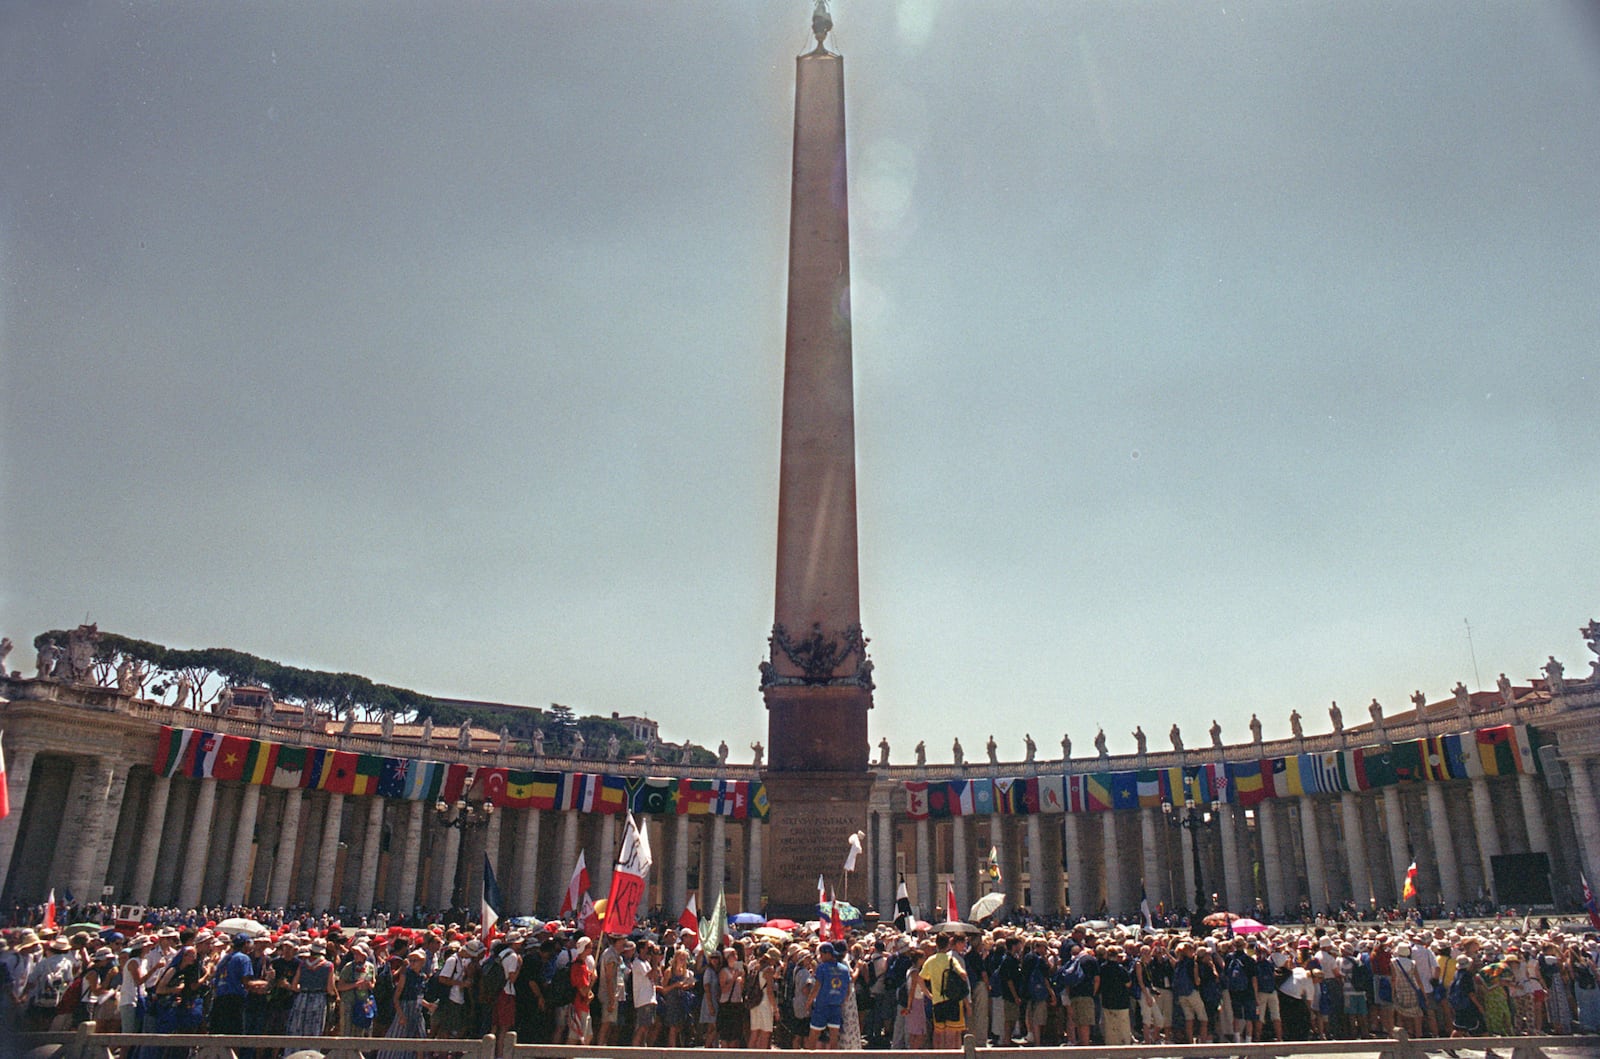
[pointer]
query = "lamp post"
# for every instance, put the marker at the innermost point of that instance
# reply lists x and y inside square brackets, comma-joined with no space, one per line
[1193,820]
[463,815]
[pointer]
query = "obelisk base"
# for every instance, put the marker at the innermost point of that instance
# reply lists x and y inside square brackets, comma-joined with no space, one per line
[812,817]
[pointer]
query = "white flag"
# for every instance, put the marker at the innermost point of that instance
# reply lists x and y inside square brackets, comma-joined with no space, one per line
[628,880]
[855,851]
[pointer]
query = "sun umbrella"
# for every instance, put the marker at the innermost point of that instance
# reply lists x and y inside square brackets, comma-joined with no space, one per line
[921,925]
[525,921]
[848,913]
[748,919]
[772,933]
[1248,926]
[1098,924]
[80,928]
[240,925]
[955,926]
[781,924]
[1219,919]
[987,905]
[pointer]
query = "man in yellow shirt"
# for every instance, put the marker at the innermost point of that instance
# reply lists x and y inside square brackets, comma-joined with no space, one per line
[948,987]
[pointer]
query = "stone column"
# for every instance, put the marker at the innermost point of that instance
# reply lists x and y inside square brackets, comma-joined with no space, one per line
[1186,842]
[1587,822]
[1488,835]
[1149,831]
[528,863]
[371,848]
[887,884]
[719,856]
[679,895]
[238,883]
[194,858]
[109,781]
[1111,856]
[19,771]
[926,898]
[444,895]
[155,818]
[1316,873]
[1533,814]
[1080,899]
[960,868]
[1273,868]
[1355,844]
[1229,824]
[601,871]
[1399,841]
[1444,849]
[752,866]
[1042,898]
[491,852]
[328,853]
[568,841]
[411,879]
[288,838]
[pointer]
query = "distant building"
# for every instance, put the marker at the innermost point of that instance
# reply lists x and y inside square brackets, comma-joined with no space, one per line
[640,729]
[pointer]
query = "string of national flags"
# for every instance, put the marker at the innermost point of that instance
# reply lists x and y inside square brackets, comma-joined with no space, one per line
[1503,750]
[199,754]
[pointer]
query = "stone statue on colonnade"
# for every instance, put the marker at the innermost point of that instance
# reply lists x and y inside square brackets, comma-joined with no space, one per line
[1463,701]
[722,752]
[613,747]
[1100,743]
[1139,739]
[1295,726]
[921,751]
[224,701]
[1553,674]
[1177,739]
[883,752]
[387,725]
[994,750]
[1420,701]
[1030,749]
[685,754]
[1066,747]
[577,744]
[1507,695]
[349,720]
[5,652]
[1591,636]
[538,742]
[505,739]
[1216,734]
[427,731]
[1255,729]
[760,752]
[185,689]
[464,736]
[45,660]
[957,753]
[1337,717]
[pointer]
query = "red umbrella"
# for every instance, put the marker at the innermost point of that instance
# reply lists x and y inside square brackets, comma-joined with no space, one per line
[1219,919]
[781,924]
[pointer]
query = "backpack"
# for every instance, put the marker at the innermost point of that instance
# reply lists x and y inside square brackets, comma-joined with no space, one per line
[954,987]
[1461,990]
[55,984]
[1070,976]
[558,990]
[1238,980]
[1361,975]
[492,978]
[754,992]
[1038,981]
[1266,975]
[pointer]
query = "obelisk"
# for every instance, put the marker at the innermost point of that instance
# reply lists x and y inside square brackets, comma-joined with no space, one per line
[817,680]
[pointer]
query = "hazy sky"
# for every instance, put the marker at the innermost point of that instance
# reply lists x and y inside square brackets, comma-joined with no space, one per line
[1210,357]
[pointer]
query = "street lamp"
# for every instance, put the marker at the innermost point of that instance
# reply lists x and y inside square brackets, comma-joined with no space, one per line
[1193,820]
[463,815]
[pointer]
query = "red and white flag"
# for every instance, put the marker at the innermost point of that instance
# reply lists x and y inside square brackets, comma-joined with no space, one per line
[588,919]
[50,910]
[952,913]
[628,878]
[836,924]
[689,920]
[5,790]
[577,888]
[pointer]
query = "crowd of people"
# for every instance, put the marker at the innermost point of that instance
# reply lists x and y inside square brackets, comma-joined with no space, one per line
[1015,983]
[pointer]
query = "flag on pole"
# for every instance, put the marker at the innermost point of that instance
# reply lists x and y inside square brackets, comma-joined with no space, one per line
[1409,890]
[854,852]
[716,927]
[822,893]
[994,863]
[5,790]
[628,879]
[904,914]
[952,913]
[689,920]
[1590,905]
[836,923]
[1144,909]
[588,917]
[50,910]
[577,888]
[491,900]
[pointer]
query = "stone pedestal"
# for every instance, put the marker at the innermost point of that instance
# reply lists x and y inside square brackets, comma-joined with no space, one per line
[821,729]
[813,816]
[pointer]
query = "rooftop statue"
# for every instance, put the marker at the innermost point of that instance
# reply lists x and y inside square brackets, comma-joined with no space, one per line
[1029,748]
[1553,674]
[921,751]
[1463,700]
[388,724]
[1295,725]
[1139,739]
[1066,747]
[722,752]
[1420,701]
[1177,739]
[538,742]
[1507,695]
[1255,728]
[957,753]
[613,747]
[1337,717]
[1216,734]
[993,749]
[883,751]
[760,752]
[1100,743]
[464,736]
